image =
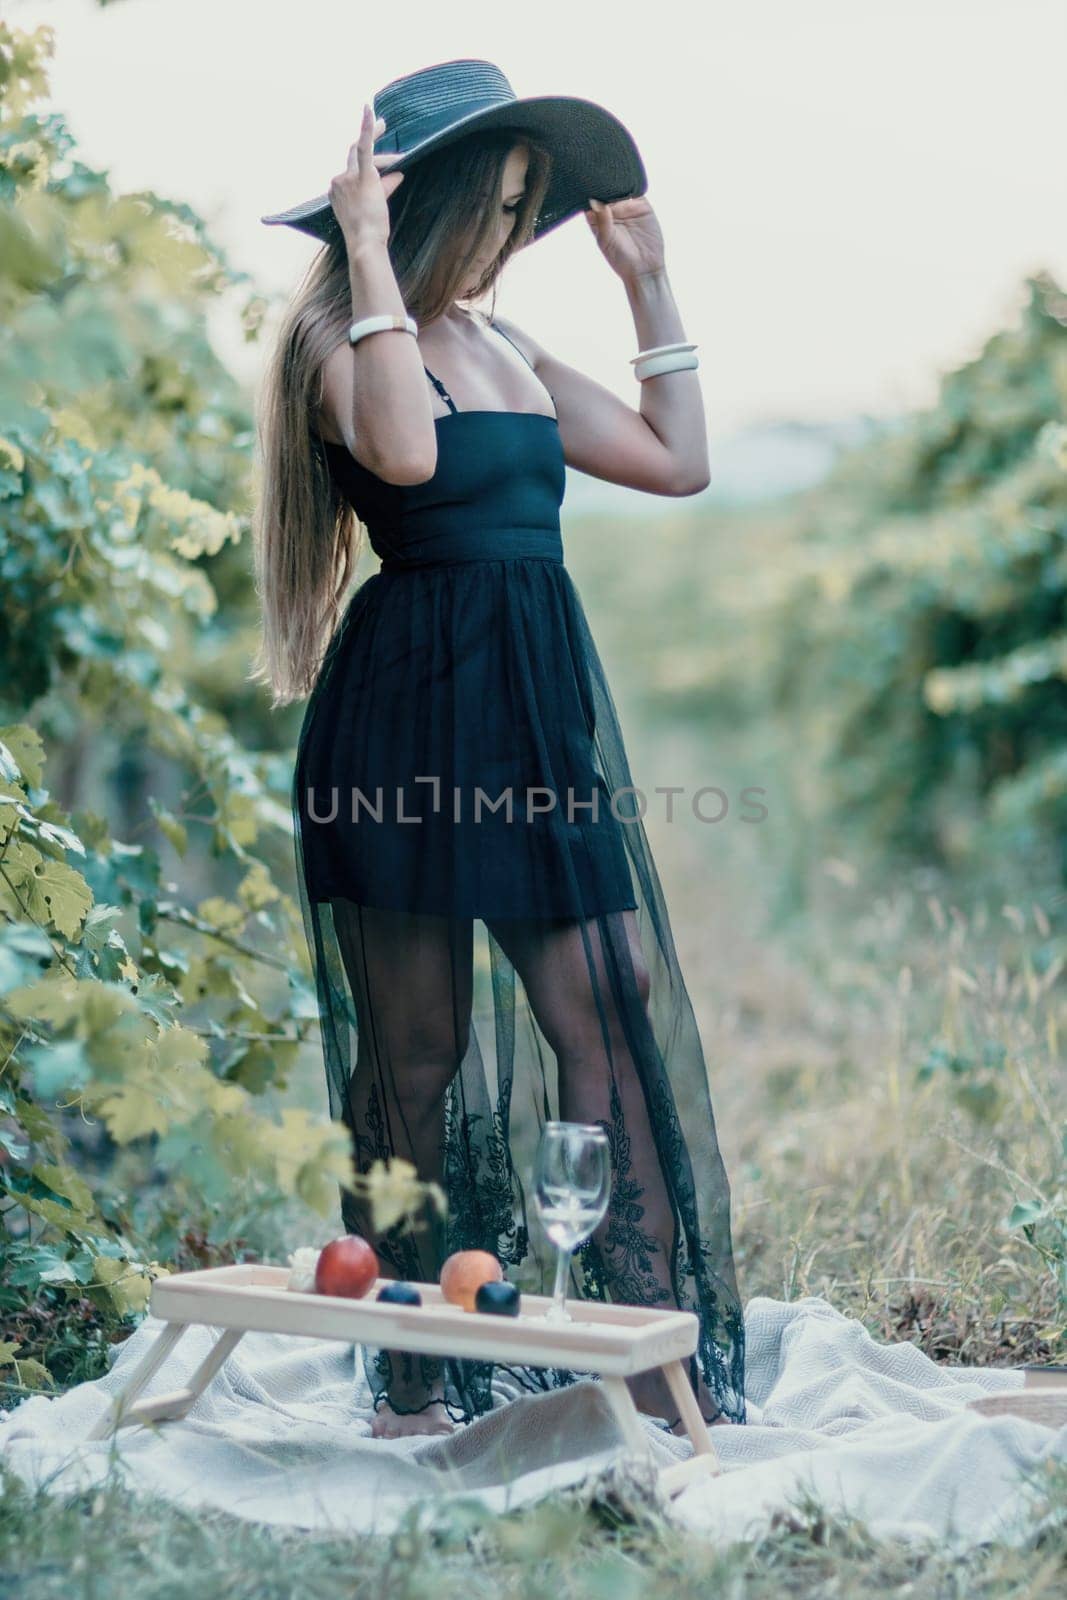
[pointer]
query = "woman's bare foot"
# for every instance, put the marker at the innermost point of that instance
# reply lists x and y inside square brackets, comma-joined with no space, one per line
[413,1401]
[390,1424]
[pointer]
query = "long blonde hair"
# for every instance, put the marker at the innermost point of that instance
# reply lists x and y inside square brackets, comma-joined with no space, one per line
[307,539]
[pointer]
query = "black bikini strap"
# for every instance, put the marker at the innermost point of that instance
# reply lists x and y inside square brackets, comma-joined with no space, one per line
[512,343]
[439,386]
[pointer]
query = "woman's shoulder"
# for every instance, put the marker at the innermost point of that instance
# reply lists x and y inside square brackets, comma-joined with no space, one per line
[524,342]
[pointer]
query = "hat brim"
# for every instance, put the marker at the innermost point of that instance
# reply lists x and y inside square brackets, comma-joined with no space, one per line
[593,155]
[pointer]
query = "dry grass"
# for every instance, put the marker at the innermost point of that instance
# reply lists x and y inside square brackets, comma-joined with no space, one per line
[888,1080]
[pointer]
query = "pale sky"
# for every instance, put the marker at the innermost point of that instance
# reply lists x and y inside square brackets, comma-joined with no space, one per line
[850,192]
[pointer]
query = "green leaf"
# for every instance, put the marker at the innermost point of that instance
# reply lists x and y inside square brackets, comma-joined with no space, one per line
[63,1180]
[132,1110]
[32,1374]
[24,952]
[22,747]
[1024,1213]
[46,890]
[57,1067]
[173,830]
[127,1287]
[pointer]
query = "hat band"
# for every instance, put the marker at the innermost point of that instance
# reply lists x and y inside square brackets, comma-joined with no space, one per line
[412,130]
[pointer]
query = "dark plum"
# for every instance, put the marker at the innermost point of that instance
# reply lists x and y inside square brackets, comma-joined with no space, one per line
[400,1294]
[499,1299]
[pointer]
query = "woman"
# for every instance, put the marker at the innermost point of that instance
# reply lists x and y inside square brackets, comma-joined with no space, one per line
[482,966]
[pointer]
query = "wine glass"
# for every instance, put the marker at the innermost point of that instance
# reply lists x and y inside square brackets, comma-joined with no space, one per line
[572,1189]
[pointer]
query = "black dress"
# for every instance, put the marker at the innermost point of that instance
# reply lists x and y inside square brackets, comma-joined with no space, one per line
[489,937]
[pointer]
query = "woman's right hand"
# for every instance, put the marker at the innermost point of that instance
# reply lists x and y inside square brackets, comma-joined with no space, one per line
[359,195]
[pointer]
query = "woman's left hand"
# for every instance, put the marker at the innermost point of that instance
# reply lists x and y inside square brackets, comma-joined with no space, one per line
[629,235]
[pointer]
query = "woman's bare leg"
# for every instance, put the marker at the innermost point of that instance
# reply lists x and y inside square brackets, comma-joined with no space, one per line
[411,978]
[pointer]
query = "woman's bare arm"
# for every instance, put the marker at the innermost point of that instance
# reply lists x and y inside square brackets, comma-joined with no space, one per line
[662,448]
[375,397]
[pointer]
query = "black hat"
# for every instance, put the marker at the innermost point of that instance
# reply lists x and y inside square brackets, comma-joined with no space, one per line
[593,154]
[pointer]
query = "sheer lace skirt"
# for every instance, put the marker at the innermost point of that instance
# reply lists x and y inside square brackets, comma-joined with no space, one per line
[479,975]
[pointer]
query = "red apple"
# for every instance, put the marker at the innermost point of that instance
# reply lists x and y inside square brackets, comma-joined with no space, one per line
[346,1266]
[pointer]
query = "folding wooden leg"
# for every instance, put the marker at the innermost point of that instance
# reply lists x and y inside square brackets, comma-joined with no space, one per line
[626,1414]
[128,1409]
[686,1401]
[704,1462]
[211,1364]
[145,1369]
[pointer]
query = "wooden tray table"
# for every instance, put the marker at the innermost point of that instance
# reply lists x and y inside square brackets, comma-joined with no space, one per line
[1042,1398]
[614,1341]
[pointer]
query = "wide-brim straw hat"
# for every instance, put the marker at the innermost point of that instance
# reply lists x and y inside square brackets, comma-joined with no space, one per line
[593,154]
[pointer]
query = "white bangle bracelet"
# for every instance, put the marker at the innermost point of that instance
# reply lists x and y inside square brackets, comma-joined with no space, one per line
[671,361]
[384,322]
[660,350]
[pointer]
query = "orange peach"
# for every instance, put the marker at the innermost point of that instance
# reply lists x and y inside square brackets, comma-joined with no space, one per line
[464,1273]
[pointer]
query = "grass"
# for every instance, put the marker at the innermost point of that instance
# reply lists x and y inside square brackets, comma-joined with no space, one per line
[106,1543]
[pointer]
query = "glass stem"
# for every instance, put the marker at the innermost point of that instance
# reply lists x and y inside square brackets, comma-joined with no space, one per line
[559,1293]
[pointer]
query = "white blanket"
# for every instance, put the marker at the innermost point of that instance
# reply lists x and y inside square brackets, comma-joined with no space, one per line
[282,1435]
